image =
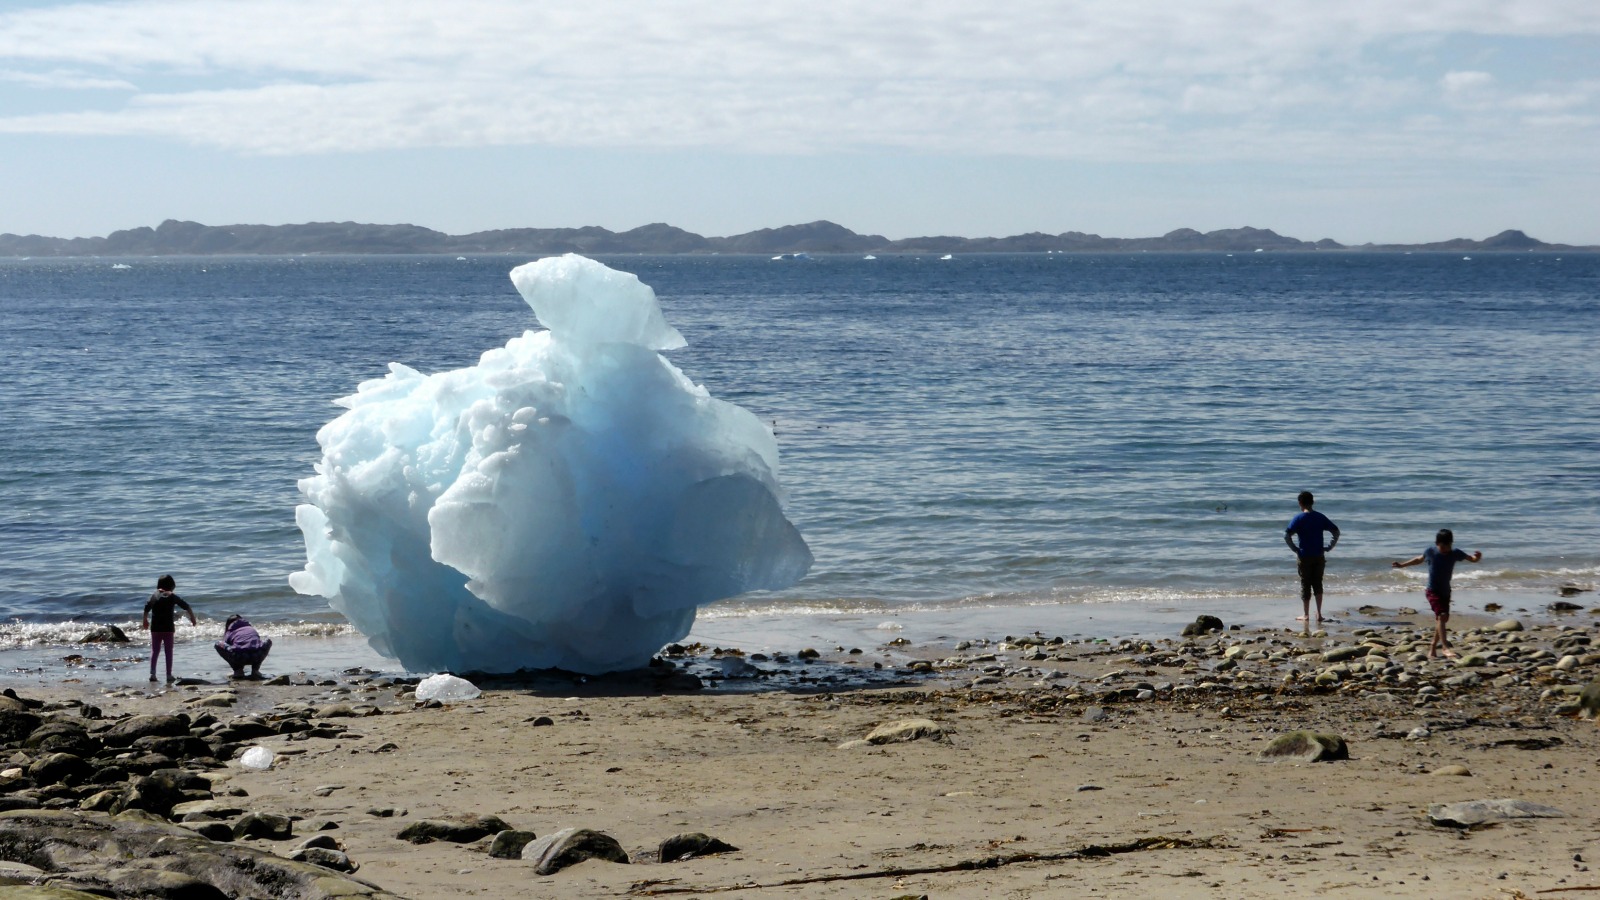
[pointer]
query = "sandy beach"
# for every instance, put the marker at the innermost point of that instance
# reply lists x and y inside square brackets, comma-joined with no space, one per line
[1058,767]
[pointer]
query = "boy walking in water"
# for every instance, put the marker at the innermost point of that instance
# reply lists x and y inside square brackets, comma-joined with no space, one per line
[1309,526]
[158,620]
[1441,559]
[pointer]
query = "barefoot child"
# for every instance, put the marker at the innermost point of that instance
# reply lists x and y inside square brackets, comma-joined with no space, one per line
[1441,559]
[158,620]
[1311,555]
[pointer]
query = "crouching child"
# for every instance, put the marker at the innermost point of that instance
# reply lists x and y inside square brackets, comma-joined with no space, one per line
[242,645]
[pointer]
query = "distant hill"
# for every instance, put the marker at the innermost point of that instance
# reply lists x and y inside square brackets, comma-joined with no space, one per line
[174,238]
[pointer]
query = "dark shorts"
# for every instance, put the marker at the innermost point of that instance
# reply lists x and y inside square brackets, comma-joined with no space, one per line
[1311,568]
[1441,605]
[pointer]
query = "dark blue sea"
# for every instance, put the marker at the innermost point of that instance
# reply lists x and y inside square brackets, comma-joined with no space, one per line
[977,433]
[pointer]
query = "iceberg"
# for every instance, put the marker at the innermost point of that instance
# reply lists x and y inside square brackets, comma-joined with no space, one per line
[568,502]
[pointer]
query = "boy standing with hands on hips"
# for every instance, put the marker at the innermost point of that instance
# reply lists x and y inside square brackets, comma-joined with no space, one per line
[1312,557]
[1441,559]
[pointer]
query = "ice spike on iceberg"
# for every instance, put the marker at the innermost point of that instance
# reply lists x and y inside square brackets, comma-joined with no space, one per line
[567,502]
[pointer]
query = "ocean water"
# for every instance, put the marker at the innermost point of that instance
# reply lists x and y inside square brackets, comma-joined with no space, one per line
[984,432]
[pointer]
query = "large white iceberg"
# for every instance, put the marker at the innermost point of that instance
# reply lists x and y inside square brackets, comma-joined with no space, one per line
[567,502]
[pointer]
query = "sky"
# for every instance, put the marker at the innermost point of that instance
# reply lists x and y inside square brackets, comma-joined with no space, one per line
[1357,120]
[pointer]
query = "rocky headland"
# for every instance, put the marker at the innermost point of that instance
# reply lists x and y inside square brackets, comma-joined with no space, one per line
[175,238]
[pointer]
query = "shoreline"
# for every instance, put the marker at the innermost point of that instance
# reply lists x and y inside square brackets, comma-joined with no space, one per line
[1145,750]
[918,631]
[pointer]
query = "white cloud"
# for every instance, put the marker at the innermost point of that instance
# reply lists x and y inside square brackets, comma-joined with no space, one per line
[59,79]
[1462,82]
[1142,79]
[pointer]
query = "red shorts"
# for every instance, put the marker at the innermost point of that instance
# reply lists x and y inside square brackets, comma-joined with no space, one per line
[1441,605]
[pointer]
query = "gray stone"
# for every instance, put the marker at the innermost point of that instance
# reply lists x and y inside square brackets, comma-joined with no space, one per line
[161,790]
[1507,625]
[105,634]
[212,829]
[326,841]
[1340,654]
[508,844]
[59,768]
[16,725]
[271,826]
[1203,625]
[570,846]
[1478,812]
[456,829]
[125,732]
[690,845]
[906,730]
[135,856]
[324,857]
[1589,700]
[1095,714]
[63,737]
[1306,746]
[204,810]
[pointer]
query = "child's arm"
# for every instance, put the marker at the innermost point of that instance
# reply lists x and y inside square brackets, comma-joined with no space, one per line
[144,624]
[1477,556]
[1415,560]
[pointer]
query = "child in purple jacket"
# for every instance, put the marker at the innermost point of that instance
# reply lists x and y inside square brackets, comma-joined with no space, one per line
[242,645]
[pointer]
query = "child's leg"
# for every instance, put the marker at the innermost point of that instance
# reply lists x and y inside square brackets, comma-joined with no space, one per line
[166,646]
[155,650]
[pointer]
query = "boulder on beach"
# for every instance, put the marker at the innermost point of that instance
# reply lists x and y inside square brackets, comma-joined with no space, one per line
[125,732]
[456,829]
[1203,625]
[906,730]
[508,844]
[571,846]
[688,846]
[135,855]
[1480,812]
[1306,746]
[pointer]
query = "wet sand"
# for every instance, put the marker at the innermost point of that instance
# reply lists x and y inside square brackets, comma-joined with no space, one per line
[1143,751]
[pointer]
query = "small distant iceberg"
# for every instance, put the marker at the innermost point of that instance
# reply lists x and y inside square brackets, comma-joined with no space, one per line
[801,255]
[947,256]
[1467,258]
[121,266]
[869,256]
[461,259]
[1259,250]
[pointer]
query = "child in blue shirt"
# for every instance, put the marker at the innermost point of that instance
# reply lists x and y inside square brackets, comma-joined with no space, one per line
[1441,559]
[1310,555]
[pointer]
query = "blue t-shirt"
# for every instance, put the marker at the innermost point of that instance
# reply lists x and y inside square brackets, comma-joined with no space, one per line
[1440,567]
[1308,527]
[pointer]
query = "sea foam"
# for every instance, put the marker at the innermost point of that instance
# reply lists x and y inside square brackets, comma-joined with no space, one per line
[567,502]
